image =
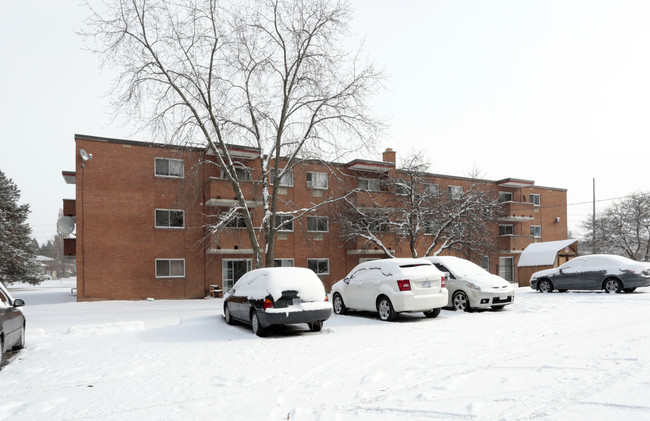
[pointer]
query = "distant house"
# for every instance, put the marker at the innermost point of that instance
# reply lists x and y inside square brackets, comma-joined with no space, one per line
[47,266]
[546,255]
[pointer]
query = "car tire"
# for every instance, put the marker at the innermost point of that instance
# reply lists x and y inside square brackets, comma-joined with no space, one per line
[2,353]
[612,285]
[227,315]
[255,324]
[545,286]
[21,342]
[459,301]
[385,309]
[316,326]
[339,305]
[628,290]
[432,314]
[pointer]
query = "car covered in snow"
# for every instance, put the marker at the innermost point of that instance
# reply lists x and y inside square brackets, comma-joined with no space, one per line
[472,287]
[277,296]
[598,271]
[391,286]
[12,323]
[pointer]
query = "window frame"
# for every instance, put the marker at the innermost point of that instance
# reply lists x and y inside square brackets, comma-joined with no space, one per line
[280,260]
[512,230]
[285,228]
[505,193]
[310,180]
[169,174]
[282,183]
[368,182]
[539,199]
[319,218]
[169,260]
[169,211]
[534,229]
[238,225]
[455,192]
[319,260]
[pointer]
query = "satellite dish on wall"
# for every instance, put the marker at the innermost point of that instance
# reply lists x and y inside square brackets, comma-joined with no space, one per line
[85,156]
[65,225]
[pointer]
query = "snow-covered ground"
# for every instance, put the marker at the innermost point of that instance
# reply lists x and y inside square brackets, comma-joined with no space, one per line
[572,356]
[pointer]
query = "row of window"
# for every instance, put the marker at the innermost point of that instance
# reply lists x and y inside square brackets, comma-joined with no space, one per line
[175,268]
[535,230]
[533,198]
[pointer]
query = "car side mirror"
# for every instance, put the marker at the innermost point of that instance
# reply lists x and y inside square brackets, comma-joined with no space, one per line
[18,302]
[346,280]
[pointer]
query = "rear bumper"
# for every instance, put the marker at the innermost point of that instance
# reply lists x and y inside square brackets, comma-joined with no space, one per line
[292,317]
[415,303]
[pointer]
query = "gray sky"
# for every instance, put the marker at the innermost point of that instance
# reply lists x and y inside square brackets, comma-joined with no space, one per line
[552,91]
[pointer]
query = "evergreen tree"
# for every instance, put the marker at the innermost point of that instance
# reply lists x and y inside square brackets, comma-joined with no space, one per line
[16,254]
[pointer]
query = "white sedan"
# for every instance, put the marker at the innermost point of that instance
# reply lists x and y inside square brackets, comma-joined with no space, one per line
[391,286]
[472,287]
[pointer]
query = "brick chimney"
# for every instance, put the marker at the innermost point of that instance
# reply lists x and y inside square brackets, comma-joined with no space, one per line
[389,155]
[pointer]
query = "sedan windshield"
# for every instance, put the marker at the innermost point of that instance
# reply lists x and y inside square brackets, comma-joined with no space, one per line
[465,268]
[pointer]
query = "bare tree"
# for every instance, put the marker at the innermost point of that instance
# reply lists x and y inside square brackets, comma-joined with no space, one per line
[419,214]
[623,228]
[267,74]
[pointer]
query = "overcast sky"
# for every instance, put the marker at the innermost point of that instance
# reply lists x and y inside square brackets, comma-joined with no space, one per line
[552,91]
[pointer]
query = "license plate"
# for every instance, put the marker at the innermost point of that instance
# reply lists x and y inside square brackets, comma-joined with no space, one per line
[503,297]
[426,284]
[296,301]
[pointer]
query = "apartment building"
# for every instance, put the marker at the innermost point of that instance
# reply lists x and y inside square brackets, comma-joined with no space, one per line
[141,211]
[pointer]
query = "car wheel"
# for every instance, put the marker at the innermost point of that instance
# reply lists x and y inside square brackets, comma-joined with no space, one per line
[255,324]
[339,305]
[386,310]
[612,285]
[545,286]
[21,342]
[460,301]
[433,313]
[316,326]
[498,307]
[628,289]
[227,315]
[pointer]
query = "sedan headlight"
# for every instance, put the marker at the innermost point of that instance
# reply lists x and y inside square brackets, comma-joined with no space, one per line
[472,286]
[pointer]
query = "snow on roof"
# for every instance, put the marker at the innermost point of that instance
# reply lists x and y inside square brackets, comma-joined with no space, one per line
[542,254]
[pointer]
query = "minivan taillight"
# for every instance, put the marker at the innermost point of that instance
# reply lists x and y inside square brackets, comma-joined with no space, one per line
[404,285]
[443,282]
[268,303]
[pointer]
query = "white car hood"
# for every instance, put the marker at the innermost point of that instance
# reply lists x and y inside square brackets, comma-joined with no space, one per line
[486,281]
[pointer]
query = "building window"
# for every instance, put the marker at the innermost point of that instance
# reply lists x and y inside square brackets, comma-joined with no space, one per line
[455,192]
[485,262]
[283,263]
[432,189]
[536,231]
[169,218]
[402,189]
[317,224]
[284,222]
[317,180]
[319,266]
[535,199]
[236,221]
[285,181]
[233,269]
[167,167]
[170,268]
[241,173]
[506,230]
[505,196]
[371,184]
[506,268]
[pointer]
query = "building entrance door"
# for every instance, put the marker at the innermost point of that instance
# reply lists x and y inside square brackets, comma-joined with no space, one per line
[233,269]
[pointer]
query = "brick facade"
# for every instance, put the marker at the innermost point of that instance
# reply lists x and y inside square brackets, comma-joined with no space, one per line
[119,247]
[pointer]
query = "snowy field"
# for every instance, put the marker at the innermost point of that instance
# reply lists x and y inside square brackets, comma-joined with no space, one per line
[572,356]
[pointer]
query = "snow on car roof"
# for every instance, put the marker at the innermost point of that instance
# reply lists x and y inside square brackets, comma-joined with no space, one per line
[542,254]
[259,283]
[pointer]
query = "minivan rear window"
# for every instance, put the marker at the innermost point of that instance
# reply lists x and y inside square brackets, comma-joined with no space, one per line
[414,265]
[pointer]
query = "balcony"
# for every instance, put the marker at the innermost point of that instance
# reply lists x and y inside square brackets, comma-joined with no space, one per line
[69,246]
[69,207]
[220,193]
[516,242]
[518,212]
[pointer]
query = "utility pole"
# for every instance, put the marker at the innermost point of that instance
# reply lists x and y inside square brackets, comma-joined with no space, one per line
[593,219]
